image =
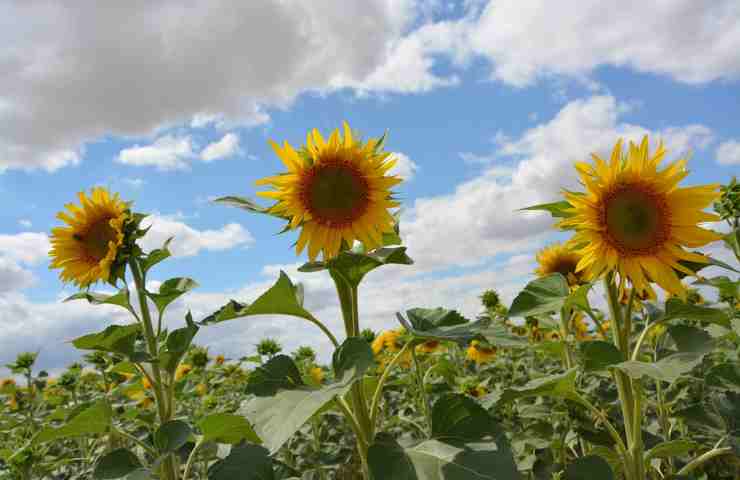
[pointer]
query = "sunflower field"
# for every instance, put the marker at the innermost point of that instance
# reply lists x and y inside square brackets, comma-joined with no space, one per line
[618,361]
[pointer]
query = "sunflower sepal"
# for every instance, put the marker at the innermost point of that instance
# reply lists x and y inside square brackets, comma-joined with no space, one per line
[353,265]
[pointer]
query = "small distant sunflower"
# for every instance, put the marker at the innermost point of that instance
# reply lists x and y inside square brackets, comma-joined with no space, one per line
[336,191]
[317,374]
[476,391]
[182,370]
[558,258]
[87,247]
[635,220]
[479,353]
[220,359]
[201,389]
[388,340]
[581,328]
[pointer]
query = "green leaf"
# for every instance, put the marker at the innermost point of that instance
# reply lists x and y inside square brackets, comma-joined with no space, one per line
[284,404]
[589,467]
[227,428]
[424,319]
[691,339]
[726,287]
[170,291]
[243,203]
[244,462]
[555,386]
[668,369]
[696,266]
[597,355]
[115,339]
[156,256]
[387,459]
[116,464]
[579,299]
[93,420]
[120,299]
[278,373]
[353,266]
[669,449]
[352,356]
[178,343]
[435,460]
[676,309]
[172,435]
[556,209]
[280,299]
[724,375]
[543,295]
[463,333]
[458,418]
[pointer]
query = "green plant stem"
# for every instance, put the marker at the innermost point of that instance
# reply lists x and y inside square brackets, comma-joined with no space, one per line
[132,438]
[348,300]
[160,392]
[565,317]
[381,382]
[624,383]
[362,443]
[701,459]
[191,458]
[422,392]
[621,447]
[326,331]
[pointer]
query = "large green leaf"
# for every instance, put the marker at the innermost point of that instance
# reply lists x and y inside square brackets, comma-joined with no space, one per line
[278,373]
[352,266]
[156,256]
[244,462]
[115,339]
[121,298]
[726,287]
[170,291]
[724,375]
[227,428]
[283,403]
[172,435]
[555,386]
[93,420]
[669,449]
[467,443]
[598,355]
[668,369]
[676,309]
[177,344]
[280,299]
[462,333]
[691,339]
[116,464]
[543,295]
[590,467]
[424,319]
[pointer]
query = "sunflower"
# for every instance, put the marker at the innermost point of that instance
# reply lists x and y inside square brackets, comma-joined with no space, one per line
[388,340]
[479,353]
[634,219]
[182,370]
[220,359]
[86,249]
[430,346]
[336,191]
[317,374]
[558,258]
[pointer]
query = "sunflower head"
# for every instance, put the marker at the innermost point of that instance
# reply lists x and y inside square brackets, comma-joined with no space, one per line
[430,346]
[92,247]
[336,191]
[479,352]
[634,219]
[317,375]
[559,258]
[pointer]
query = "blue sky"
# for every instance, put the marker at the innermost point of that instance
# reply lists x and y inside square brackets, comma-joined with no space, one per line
[487,105]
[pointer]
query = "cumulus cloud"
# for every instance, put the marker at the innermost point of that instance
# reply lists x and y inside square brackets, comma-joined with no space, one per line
[25,223]
[27,247]
[13,277]
[189,241]
[728,153]
[226,147]
[73,72]
[404,167]
[166,153]
[481,219]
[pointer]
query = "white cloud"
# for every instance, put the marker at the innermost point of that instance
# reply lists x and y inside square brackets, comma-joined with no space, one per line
[134,183]
[224,148]
[73,73]
[27,247]
[525,42]
[728,153]
[481,219]
[404,167]
[166,153]
[189,241]
[25,223]
[13,277]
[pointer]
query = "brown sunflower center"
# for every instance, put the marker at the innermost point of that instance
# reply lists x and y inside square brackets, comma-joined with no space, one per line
[635,219]
[565,266]
[335,193]
[95,240]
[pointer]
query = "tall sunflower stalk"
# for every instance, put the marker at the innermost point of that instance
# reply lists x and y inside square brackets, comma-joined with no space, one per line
[631,226]
[98,244]
[336,191]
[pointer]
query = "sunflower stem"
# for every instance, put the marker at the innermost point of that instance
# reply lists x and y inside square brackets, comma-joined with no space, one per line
[565,318]
[160,391]
[623,382]
[422,392]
